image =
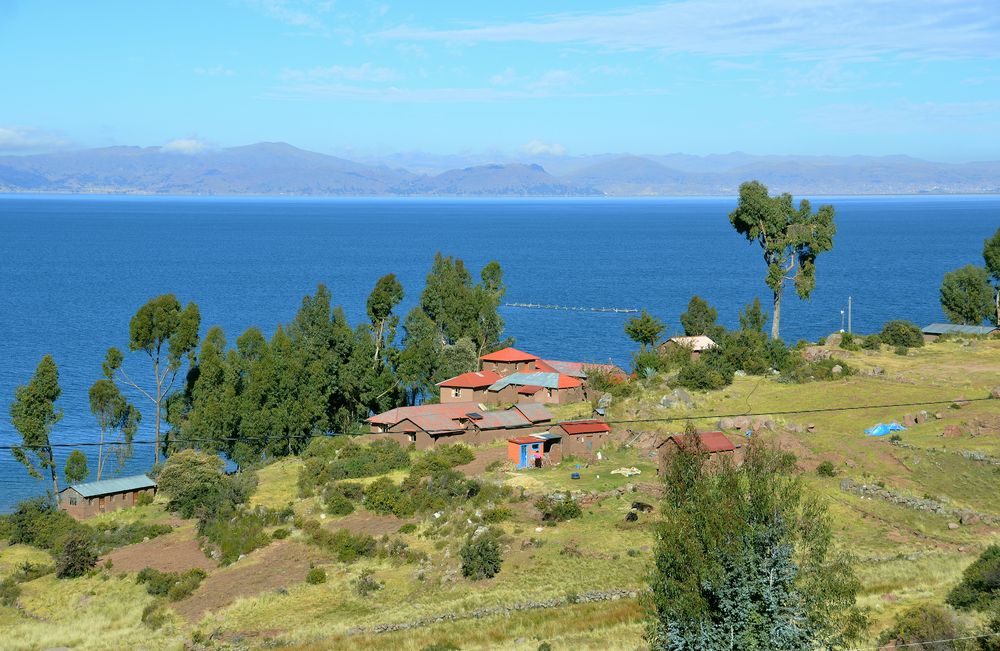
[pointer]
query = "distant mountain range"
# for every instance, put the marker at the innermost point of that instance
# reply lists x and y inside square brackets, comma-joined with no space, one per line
[281,169]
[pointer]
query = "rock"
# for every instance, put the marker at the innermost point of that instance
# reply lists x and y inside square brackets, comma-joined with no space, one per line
[741,422]
[969,518]
[539,529]
[740,373]
[877,370]
[837,369]
[242,556]
[667,402]
[909,421]
[726,423]
[480,530]
[953,525]
[810,427]
[795,427]
[952,432]
[631,516]
[995,392]
[605,401]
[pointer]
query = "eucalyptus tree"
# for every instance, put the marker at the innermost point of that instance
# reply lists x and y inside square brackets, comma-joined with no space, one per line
[967,296]
[644,329]
[114,413]
[386,295]
[33,414]
[790,239]
[991,256]
[76,469]
[421,355]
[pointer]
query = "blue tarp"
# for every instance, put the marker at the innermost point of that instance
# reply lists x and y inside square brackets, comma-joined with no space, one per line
[882,429]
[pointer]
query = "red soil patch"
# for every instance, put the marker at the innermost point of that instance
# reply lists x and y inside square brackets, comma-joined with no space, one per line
[484,457]
[362,521]
[176,551]
[280,564]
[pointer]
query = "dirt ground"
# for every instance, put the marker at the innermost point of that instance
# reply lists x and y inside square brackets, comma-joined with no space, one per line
[280,564]
[176,551]
[484,457]
[362,521]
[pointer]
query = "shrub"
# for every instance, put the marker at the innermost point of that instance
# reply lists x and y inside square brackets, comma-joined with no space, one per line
[280,534]
[235,532]
[493,466]
[437,491]
[922,624]
[37,522]
[872,342]
[980,585]
[385,497]
[78,555]
[192,480]
[647,363]
[366,584]
[316,576]
[128,534]
[338,504]
[346,546]
[901,350]
[9,591]
[558,510]
[442,458]
[441,646]
[481,558]
[826,469]
[902,333]
[144,499]
[497,514]
[172,585]
[847,342]
[698,375]
[409,527]
[895,437]
[154,615]
[329,459]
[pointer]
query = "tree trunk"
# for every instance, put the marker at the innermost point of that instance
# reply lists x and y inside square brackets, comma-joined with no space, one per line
[54,473]
[996,303]
[157,401]
[100,455]
[776,321]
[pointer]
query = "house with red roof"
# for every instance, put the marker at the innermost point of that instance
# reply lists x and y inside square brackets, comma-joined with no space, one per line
[460,422]
[717,445]
[508,360]
[468,387]
[536,386]
[582,438]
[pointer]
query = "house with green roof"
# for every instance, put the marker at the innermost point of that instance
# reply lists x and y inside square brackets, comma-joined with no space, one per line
[90,498]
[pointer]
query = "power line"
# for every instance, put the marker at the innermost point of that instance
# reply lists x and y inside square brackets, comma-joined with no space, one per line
[947,639]
[633,421]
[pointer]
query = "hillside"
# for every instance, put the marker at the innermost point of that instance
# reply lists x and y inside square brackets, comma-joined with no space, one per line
[928,507]
[281,169]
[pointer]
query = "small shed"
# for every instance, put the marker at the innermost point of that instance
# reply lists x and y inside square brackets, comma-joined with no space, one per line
[84,500]
[584,437]
[935,330]
[716,444]
[532,451]
[697,344]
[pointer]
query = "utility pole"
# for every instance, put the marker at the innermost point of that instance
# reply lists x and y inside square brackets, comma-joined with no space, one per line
[849,315]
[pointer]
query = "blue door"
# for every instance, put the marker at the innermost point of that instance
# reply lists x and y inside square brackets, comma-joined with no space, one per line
[524,456]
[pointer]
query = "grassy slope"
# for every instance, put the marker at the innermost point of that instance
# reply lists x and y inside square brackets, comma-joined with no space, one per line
[905,556]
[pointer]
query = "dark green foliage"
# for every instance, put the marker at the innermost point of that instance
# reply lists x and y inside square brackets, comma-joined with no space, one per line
[409,527]
[700,319]
[872,342]
[497,514]
[128,534]
[481,558]
[366,583]
[115,415]
[33,414]
[77,555]
[344,545]
[699,375]
[744,560]
[154,615]
[798,370]
[192,481]
[922,627]
[280,533]
[144,499]
[441,458]
[558,509]
[902,333]
[901,350]
[37,522]
[337,503]
[76,469]
[329,459]
[437,490]
[644,329]
[172,585]
[991,256]
[385,497]
[980,585]
[646,363]
[790,239]
[9,591]
[826,469]
[441,646]
[847,342]
[239,533]
[967,296]
[753,318]
[316,576]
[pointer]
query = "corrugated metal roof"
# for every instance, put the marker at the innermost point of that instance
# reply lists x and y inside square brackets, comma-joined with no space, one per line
[712,441]
[534,412]
[509,355]
[546,380]
[450,410]
[524,440]
[585,426]
[109,486]
[952,328]
[547,436]
[471,380]
[505,419]
[529,389]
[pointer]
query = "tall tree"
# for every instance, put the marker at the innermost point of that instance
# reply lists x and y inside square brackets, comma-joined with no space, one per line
[966,295]
[33,414]
[212,419]
[700,319]
[790,239]
[421,355]
[489,325]
[753,318]
[166,334]
[76,469]
[991,256]
[386,295]
[446,298]
[644,329]
[114,413]
[744,559]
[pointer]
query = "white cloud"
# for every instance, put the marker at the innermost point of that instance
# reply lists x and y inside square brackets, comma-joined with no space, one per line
[185,146]
[539,148]
[295,13]
[213,71]
[735,28]
[366,72]
[24,140]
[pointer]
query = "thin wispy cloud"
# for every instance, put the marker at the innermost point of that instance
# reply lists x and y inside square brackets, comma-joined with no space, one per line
[734,28]
[906,116]
[19,139]
[294,13]
[539,148]
[188,146]
[313,91]
[366,72]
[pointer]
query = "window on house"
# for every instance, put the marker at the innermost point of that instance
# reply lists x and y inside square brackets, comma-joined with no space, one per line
[72,501]
[549,392]
[456,393]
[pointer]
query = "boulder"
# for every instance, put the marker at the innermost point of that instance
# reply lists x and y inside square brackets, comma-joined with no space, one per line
[837,369]
[795,428]
[969,518]
[953,525]
[952,432]
[909,421]
[667,402]
[684,396]
[727,423]
[995,392]
[741,422]
[605,401]
[810,427]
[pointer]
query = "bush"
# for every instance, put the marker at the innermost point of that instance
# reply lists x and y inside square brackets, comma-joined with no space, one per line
[316,576]
[698,375]
[558,510]
[280,533]
[338,504]
[441,646]
[346,546]
[647,363]
[385,497]
[236,532]
[481,558]
[37,522]
[366,584]
[9,591]
[144,499]
[872,342]
[922,624]
[172,585]
[901,350]
[78,555]
[826,469]
[409,527]
[128,534]
[980,585]
[154,615]
[329,459]
[902,333]
[497,514]
[438,491]
[193,481]
[847,342]
[442,458]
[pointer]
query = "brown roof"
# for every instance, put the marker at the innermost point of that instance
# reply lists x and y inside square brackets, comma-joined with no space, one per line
[471,380]
[534,412]
[585,426]
[711,441]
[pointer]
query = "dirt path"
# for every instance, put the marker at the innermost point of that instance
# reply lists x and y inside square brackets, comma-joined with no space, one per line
[362,521]
[176,551]
[280,564]
[484,457]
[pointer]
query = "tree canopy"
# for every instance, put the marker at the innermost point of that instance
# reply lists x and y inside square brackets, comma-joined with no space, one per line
[700,319]
[991,256]
[644,329]
[790,239]
[966,295]
[33,414]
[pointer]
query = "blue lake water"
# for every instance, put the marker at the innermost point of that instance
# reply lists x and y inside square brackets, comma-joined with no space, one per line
[73,270]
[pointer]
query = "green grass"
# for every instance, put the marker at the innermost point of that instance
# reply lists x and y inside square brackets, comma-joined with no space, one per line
[13,556]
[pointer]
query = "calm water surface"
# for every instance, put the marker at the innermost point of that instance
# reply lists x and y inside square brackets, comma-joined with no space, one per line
[73,270]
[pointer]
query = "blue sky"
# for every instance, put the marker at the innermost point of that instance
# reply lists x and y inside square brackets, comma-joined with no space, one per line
[369,78]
